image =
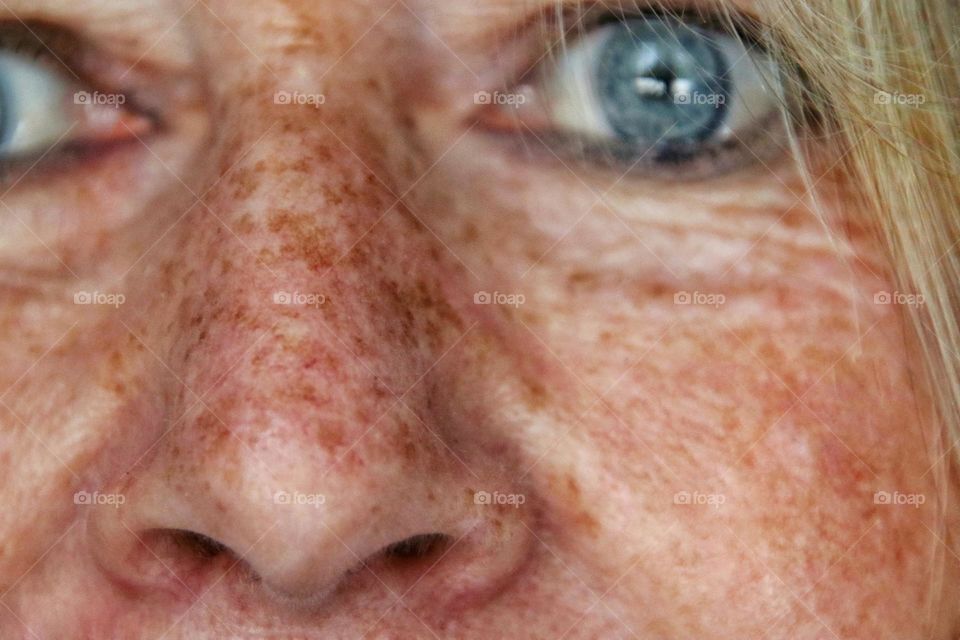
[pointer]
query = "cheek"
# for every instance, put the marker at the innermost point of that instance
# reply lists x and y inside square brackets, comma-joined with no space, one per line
[745,448]
[742,436]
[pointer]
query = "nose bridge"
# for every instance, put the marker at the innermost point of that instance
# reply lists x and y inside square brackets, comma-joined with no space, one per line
[287,264]
[274,290]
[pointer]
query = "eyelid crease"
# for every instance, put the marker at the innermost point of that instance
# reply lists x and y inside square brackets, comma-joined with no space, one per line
[716,16]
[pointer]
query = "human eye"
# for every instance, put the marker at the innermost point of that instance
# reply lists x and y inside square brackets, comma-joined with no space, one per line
[93,124]
[654,94]
[46,108]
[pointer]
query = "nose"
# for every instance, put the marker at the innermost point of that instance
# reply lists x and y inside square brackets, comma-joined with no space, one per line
[303,370]
[302,531]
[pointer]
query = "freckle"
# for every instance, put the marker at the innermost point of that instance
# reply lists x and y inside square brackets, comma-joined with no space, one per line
[580,279]
[232,150]
[243,182]
[730,422]
[815,353]
[409,452]
[330,438]
[837,324]
[588,523]
[245,225]
[529,316]
[794,218]
[304,238]
[471,233]
[536,257]
[302,166]
[536,395]
[380,390]
[770,353]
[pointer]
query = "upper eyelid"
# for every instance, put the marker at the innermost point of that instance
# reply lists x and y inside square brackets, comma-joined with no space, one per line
[131,31]
[577,18]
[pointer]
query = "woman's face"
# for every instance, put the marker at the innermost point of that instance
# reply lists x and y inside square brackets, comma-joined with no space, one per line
[304,336]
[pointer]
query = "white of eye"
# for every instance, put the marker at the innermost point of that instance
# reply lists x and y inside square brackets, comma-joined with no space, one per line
[34,106]
[570,94]
[755,88]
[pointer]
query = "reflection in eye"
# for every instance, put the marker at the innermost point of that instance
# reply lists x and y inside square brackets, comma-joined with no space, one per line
[42,107]
[655,93]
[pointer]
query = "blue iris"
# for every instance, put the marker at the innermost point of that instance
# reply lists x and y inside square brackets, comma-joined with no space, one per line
[662,82]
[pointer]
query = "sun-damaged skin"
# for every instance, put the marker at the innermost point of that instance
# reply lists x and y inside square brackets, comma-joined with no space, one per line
[654,469]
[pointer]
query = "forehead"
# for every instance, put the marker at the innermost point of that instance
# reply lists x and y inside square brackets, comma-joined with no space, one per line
[142,15]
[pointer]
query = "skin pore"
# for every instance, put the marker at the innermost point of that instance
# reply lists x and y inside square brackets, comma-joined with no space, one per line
[299,375]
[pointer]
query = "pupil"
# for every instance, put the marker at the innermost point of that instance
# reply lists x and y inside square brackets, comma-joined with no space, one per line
[663,81]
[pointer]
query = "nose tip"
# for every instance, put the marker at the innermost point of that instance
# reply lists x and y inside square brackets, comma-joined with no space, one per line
[299,544]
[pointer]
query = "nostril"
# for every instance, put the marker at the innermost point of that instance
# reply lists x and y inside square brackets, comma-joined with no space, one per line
[197,544]
[417,547]
[182,558]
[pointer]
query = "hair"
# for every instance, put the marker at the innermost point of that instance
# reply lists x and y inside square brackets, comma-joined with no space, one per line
[884,79]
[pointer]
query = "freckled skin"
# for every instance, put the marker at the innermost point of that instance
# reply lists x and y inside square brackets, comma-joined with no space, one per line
[391,398]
